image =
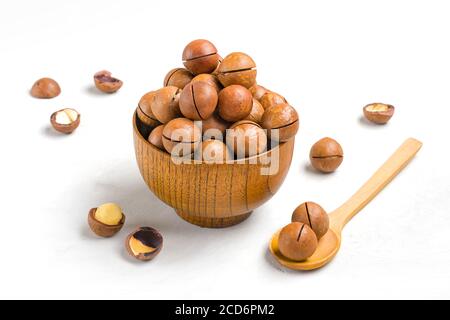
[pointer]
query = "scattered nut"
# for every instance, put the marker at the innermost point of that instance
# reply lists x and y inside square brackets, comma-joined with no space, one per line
[237,68]
[45,88]
[246,139]
[257,112]
[144,244]
[258,91]
[271,99]
[297,241]
[214,152]
[313,215]
[326,155]
[106,220]
[281,117]
[181,137]
[379,113]
[178,77]
[198,100]
[155,137]
[200,56]
[235,103]
[65,120]
[106,83]
[165,104]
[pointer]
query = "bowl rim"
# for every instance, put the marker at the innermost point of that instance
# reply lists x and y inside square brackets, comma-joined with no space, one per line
[237,161]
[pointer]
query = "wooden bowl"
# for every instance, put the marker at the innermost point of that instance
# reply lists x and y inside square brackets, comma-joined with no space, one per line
[212,195]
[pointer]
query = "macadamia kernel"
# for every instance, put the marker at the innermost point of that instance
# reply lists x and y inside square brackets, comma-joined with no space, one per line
[109,214]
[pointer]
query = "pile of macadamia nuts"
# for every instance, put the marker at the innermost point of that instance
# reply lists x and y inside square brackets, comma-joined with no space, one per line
[213,110]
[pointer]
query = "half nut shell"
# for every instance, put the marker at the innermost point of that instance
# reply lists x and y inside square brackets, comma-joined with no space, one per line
[144,243]
[105,82]
[65,120]
[379,113]
[101,229]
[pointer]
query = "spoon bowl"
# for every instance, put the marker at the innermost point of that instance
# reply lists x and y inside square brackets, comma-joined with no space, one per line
[327,249]
[330,243]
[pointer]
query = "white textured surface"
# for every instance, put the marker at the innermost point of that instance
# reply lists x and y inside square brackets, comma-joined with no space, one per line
[329,58]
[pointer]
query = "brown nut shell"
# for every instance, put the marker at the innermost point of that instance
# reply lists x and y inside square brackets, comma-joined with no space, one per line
[210,79]
[67,127]
[213,152]
[258,91]
[144,110]
[144,243]
[198,100]
[297,241]
[101,229]
[257,112]
[105,82]
[246,139]
[181,131]
[379,113]
[155,137]
[45,88]
[165,104]
[237,68]
[235,103]
[271,99]
[313,215]
[326,155]
[200,56]
[216,71]
[215,127]
[283,118]
[178,77]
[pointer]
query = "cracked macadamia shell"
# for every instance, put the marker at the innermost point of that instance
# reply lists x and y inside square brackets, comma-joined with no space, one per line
[313,215]
[200,56]
[214,127]
[235,103]
[379,113]
[155,137]
[213,152]
[256,113]
[326,155]
[209,78]
[105,82]
[182,134]
[65,120]
[178,77]
[246,139]
[45,88]
[144,110]
[144,244]
[258,91]
[165,104]
[297,241]
[271,99]
[198,100]
[101,229]
[284,119]
[237,68]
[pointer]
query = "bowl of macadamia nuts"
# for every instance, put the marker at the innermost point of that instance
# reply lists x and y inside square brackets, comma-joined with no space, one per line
[212,143]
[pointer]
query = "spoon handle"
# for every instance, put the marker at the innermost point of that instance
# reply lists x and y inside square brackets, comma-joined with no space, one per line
[376,183]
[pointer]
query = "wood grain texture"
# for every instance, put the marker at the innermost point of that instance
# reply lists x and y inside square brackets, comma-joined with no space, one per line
[211,195]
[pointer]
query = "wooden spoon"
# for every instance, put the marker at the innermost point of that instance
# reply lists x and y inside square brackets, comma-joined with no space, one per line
[330,243]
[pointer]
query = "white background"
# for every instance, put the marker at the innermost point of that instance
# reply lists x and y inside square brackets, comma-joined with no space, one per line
[329,58]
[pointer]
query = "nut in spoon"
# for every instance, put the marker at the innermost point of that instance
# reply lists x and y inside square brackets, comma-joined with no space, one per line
[330,243]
